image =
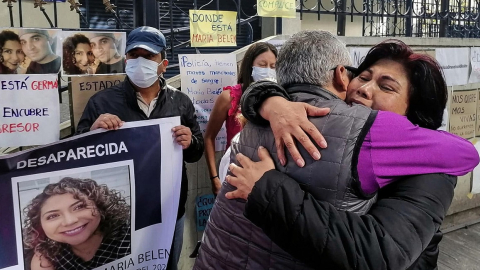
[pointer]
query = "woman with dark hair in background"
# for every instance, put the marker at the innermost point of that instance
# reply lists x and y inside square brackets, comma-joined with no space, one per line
[11,54]
[76,224]
[257,64]
[77,55]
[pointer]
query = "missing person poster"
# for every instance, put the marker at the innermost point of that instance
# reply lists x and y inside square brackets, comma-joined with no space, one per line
[29,110]
[204,77]
[101,200]
[92,52]
[30,51]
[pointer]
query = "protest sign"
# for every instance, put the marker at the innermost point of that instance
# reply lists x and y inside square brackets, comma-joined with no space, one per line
[476,173]
[92,52]
[278,43]
[203,78]
[475,62]
[30,51]
[30,112]
[203,206]
[114,193]
[454,63]
[276,8]
[357,54]
[83,87]
[463,110]
[213,28]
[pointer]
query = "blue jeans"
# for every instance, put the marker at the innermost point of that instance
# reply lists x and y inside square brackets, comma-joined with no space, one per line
[177,244]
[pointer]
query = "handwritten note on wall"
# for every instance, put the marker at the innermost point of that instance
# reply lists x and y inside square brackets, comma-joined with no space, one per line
[463,113]
[213,28]
[357,54]
[203,78]
[83,87]
[454,63]
[475,62]
[30,112]
[276,8]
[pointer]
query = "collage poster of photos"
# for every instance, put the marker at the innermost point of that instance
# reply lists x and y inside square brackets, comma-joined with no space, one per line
[50,51]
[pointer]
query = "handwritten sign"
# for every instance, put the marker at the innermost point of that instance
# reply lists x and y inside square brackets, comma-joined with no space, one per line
[476,173]
[203,207]
[276,8]
[203,78]
[83,87]
[357,54]
[29,110]
[454,63]
[477,129]
[213,28]
[463,113]
[475,62]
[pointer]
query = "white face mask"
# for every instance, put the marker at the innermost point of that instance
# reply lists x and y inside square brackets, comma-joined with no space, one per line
[142,72]
[259,73]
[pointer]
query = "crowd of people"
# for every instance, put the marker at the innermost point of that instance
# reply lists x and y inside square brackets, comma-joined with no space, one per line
[327,166]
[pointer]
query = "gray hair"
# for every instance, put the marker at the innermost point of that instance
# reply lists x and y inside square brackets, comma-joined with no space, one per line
[308,56]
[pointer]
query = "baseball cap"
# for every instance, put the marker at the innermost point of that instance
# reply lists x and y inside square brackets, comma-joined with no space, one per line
[24,31]
[146,37]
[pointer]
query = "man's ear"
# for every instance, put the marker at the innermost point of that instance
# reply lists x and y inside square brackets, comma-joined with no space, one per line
[341,79]
[165,62]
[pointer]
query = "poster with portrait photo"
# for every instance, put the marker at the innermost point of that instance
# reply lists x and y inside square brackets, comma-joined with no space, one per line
[92,52]
[86,208]
[29,51]
[73,204]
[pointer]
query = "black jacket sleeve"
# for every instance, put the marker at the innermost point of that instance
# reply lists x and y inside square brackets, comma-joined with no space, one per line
[392,235]
[255,95]
[89,116]
[195,151]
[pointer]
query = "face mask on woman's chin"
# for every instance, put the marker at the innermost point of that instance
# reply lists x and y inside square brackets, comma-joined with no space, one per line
[259,73]
[142,72]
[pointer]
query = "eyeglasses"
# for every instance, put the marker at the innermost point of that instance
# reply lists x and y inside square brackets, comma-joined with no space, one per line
[349,68]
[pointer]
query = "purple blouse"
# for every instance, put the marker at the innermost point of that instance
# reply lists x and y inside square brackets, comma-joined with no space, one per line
[395,147]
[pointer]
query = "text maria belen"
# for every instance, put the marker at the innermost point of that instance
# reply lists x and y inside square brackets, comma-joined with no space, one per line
[90,151]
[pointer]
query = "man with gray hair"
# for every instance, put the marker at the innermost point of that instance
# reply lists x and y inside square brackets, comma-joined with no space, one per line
[37,46]
[312,66]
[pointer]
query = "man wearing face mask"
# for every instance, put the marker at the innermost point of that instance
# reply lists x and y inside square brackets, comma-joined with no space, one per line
[145,95]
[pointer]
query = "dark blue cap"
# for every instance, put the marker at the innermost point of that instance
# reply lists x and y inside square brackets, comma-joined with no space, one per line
[146,37]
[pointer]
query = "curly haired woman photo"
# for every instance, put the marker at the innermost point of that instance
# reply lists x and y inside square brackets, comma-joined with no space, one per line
[76,224]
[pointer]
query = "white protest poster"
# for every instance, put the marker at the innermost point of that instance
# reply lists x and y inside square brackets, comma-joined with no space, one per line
[357,54]
[115,194]
[30,110]
[203,78]
[475,62]
[476,174]
[278,43]
[454,63]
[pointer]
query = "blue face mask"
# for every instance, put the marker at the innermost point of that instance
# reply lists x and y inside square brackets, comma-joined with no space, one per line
[259,73]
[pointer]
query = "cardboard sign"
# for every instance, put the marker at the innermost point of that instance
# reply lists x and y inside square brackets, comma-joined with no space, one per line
[454,63]
[213,28]
[203,78]
[83,87]
[30,111]
[203,206]
[463,113]
[276,8]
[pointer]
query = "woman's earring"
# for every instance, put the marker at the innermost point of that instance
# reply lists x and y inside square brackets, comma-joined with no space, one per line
[74,61]
[1,59]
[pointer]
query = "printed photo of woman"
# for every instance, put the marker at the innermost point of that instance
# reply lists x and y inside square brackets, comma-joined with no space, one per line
[76,224]
[78,57]
[11,55]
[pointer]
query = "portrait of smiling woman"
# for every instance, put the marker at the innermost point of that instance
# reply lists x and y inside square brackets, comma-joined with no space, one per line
[11,54]
[76,224]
